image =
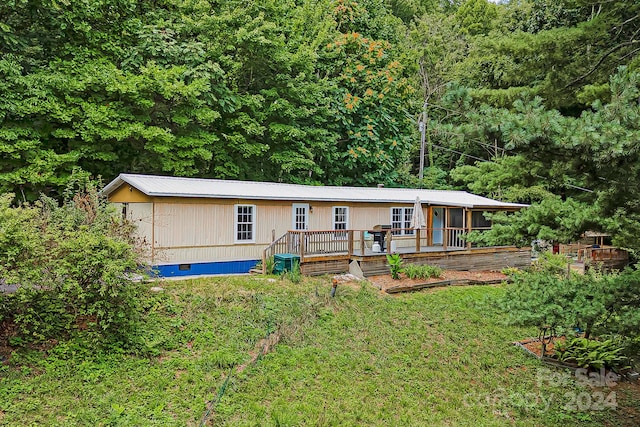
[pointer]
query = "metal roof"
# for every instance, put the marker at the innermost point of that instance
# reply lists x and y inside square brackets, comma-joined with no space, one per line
[166,186]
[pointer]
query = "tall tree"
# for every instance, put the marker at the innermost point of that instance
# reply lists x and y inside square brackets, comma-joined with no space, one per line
[566,58]
[202,88]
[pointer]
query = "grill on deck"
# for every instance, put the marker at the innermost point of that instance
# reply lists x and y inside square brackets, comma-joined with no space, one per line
[379,233]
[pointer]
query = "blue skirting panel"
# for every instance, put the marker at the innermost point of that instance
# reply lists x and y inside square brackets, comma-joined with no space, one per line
[203,268]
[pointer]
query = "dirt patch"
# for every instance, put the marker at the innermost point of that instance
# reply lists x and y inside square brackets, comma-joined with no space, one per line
[535,346]
[348,280]
[448,277]
[263,347]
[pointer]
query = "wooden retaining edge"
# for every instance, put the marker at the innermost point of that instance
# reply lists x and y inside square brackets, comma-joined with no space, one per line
[460,282]
[546,360]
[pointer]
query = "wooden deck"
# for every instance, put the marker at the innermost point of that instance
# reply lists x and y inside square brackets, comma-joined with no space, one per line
[320,252]
[372,264]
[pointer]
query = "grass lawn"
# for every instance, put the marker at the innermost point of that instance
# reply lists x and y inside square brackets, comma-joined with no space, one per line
[437,357]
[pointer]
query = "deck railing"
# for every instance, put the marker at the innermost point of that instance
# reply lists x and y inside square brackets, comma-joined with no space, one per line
[278,246]
[607,253]
[307,243]
[455,237]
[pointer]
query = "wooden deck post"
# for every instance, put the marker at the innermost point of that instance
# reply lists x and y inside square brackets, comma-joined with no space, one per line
[362,242]
[287,242]
[387,238]
[445,237]
[469,223]
[301,236]
[350,237]
[429,226]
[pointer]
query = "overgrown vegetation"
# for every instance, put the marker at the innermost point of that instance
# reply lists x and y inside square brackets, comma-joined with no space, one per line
[531,101]
[361,358]
[294,275]
[269,265]
[75,268]
[596,355]
[599,305]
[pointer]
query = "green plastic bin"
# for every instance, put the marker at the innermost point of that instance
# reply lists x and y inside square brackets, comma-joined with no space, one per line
[284,262]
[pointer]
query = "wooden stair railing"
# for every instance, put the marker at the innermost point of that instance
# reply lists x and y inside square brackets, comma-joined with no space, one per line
[278,246]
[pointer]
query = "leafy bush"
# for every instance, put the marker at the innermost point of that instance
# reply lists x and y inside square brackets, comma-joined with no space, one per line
[395,265]
[599,304]
[551,263]
[294,275]
[422,271]
[433,270]
[74,267]
[270,264]
[412,271]
[592,354]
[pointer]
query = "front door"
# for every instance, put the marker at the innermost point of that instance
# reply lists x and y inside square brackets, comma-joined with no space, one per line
[300,222]
[300,215]
[437,225]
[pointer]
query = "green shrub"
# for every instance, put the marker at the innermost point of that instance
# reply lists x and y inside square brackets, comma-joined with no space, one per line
[411,271]
[432,270]
[294,275]
[592,354]
[551,263]
[74,267]
[270,264]
[596,303]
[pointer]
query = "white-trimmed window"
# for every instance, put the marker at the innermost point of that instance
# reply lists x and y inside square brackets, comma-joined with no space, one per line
[401,218]
[245,223]
[340,220]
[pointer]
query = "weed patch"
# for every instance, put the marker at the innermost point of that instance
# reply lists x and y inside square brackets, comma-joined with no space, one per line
[361,358]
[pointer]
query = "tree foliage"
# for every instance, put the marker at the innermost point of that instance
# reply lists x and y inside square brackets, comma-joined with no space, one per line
[533,101]
[74,267]
[598,304]
[199,89]
[562,51]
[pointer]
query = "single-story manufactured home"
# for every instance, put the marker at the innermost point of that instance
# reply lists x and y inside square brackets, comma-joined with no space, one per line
[210,226]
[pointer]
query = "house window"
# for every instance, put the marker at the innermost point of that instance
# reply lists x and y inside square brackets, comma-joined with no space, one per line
[401,218]
[340,220]
[245,223]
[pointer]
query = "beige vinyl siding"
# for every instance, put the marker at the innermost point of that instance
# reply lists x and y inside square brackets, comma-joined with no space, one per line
[193,232]
[362,216]
[212,224]
[366,217]
[141,214]
[202,230]
[192,225]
